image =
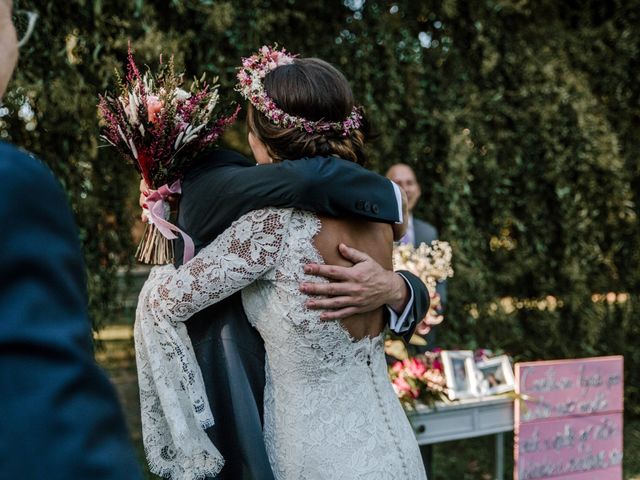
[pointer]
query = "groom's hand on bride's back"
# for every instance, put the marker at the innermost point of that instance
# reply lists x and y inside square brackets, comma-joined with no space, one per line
[361,288]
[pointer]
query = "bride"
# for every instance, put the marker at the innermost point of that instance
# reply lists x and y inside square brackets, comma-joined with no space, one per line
[330,411]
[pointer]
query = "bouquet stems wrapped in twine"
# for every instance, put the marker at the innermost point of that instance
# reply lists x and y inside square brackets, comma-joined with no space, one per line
[154,248]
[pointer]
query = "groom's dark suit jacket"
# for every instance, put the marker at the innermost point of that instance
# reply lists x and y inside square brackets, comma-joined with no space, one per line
[59,416]
[230,352]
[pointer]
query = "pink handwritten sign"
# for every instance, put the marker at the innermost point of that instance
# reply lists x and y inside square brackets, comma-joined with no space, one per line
[570,424]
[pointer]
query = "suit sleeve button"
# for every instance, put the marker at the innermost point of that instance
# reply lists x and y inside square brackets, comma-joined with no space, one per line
[375,208]
[360,205]
[367,206]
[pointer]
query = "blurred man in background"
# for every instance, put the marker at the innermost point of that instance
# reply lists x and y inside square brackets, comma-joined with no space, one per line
[418,231]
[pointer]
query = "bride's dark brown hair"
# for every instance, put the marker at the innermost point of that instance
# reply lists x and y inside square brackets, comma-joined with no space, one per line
[315,90]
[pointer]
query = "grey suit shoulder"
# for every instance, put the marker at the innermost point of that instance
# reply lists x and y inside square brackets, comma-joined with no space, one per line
[424,232]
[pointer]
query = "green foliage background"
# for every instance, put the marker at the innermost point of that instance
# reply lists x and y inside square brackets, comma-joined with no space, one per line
[519,116]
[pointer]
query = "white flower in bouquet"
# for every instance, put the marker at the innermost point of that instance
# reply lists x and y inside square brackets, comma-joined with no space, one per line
[182,95]
[432,264]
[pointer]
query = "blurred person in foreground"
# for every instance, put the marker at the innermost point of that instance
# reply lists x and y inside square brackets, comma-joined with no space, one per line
[418,231]
[60,416]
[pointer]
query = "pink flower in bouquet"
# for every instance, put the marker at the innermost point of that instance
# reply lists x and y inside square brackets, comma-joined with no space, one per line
[415,367]
[397,367]
[437,365]
[403,386]
[418,379]
[154,106]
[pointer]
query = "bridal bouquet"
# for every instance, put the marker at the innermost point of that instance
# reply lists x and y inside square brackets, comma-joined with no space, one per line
[432,264]
[161,128]
[418,378]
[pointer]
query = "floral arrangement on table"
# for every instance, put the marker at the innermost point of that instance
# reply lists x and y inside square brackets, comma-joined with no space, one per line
[419,379]
[432,264]
[161,129]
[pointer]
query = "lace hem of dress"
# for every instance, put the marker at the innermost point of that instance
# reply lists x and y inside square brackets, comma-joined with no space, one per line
[175,442]
[168,464]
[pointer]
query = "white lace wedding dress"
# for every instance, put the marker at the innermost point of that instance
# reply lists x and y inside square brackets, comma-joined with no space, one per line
[330,411]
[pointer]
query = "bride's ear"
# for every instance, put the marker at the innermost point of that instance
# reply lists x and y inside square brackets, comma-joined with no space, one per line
[259,149]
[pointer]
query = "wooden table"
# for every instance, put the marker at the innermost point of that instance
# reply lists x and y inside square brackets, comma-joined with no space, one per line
[464,419]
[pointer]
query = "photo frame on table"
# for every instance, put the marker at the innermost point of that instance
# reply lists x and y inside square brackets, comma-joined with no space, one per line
[460,373]
[494,376]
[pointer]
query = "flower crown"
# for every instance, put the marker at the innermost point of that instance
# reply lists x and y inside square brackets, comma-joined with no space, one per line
[251,86]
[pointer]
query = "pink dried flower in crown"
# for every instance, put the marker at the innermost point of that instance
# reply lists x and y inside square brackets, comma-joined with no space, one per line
[256,68]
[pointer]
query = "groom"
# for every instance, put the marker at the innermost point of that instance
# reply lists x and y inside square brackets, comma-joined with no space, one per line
[230,352]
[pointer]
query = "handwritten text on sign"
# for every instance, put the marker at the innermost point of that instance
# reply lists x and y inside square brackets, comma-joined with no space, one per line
[571,425]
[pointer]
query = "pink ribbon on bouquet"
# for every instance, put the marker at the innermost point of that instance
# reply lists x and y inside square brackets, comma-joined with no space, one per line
[155,204]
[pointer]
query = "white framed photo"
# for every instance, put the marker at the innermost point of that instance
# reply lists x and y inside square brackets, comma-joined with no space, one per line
[460,373]
[495,375]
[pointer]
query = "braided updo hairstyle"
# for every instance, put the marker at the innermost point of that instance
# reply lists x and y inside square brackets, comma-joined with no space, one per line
[315,90]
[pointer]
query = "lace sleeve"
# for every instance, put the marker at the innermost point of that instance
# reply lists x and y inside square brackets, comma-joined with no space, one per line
[173,402]
[245,251]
